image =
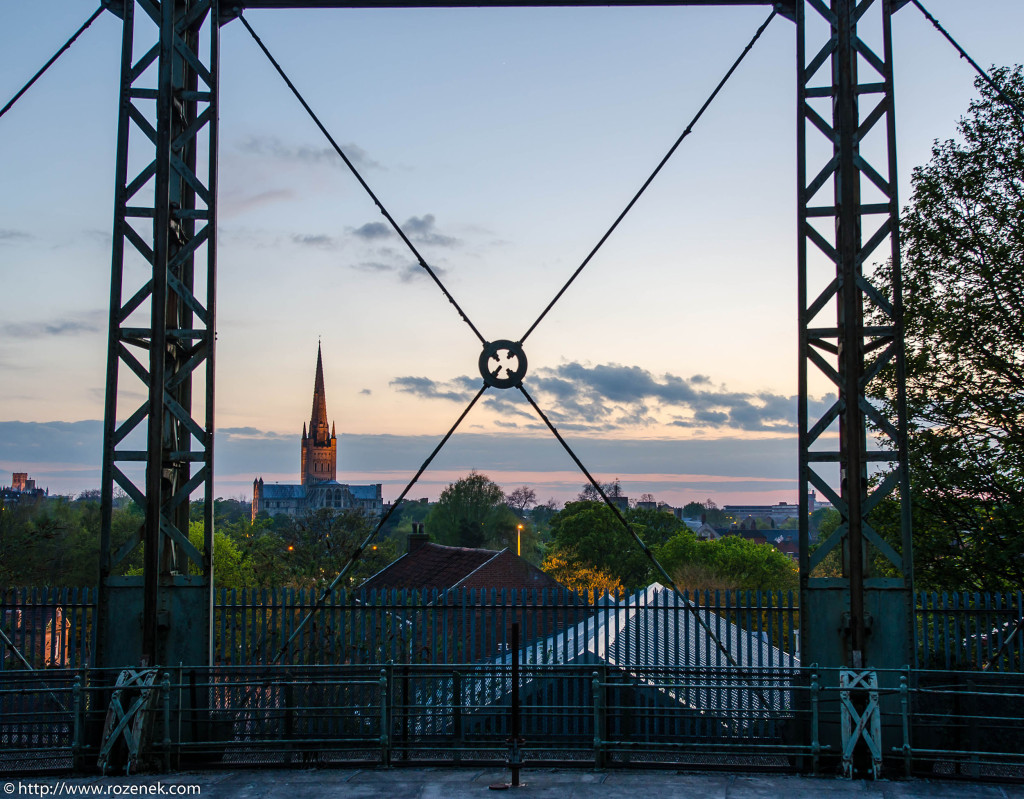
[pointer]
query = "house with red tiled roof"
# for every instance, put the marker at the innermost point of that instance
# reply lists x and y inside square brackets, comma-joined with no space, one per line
[480,589]
[427,566]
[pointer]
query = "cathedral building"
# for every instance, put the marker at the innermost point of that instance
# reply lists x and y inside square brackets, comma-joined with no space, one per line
[318,471]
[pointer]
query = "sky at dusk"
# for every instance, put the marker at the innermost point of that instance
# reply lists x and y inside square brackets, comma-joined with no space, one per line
[505,141]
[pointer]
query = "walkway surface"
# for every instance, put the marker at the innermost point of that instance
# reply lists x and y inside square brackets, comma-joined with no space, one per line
[430,783]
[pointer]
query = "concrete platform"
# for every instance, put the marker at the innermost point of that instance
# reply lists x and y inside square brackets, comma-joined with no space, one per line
[428,783]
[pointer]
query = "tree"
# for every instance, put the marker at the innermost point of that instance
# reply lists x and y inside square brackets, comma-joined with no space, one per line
[726,563]
[541,516]
[578,577]
[230,570]
[963,279]
[654,527]
[521,499]
[471,512]
[706,509]
[589,534]
[590,494]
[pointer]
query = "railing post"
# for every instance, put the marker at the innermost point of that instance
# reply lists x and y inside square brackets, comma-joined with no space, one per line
[385,742]
[599,719]
[289,719]
[974,770]
[905,712]
[165,694]
[457,716]
[76,734]
[815,718]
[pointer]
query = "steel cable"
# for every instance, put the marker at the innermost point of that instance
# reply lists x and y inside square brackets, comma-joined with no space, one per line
[963,54]
[355,172]
[50,63]
[369,539]
[646,550]
[653,175]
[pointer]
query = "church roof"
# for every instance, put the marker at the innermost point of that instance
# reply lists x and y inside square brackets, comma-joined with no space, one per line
[364,492]
[283,491]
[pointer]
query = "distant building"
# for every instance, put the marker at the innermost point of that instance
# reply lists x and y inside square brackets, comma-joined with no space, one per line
[22,490]
[318,471]
[776,513]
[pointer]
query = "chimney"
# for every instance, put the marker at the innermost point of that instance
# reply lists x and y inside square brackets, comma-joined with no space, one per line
[417,537]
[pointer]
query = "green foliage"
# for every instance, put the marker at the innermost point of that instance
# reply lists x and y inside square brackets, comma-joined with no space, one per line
[471,512]
[727,563]
[963,252]
[411,511]
[716,516]
[589,534]
[309,551]
[540,518]
[654,527]
[56,542]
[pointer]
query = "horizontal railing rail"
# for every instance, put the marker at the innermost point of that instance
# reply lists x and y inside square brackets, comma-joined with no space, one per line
[932,723]
[47,628]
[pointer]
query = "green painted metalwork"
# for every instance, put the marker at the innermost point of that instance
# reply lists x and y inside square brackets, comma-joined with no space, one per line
[976,631]
[161,333]
[947,723]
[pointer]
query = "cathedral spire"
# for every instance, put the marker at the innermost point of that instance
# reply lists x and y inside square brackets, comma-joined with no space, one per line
[320,449]
[318,427]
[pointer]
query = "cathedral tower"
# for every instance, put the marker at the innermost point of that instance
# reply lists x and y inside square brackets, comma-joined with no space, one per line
[319,445]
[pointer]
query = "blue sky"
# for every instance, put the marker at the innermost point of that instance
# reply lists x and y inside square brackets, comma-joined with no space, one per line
[506,140]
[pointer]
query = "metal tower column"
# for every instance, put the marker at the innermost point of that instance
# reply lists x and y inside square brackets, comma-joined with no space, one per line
[162,312]
[847,210]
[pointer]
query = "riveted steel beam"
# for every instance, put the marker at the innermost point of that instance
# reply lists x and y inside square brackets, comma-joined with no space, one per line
[848,209]
[161,334]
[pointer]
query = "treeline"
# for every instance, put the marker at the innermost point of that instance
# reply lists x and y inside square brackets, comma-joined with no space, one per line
[56,542]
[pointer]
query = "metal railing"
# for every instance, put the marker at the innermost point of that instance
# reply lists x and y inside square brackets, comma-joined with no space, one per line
[52,628]
[932,723]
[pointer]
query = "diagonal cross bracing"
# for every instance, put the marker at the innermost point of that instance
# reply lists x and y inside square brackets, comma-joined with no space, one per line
[168,107]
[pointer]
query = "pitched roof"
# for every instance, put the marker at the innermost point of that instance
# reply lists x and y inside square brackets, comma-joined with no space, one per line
[371,491]
[430,566]
[283,491]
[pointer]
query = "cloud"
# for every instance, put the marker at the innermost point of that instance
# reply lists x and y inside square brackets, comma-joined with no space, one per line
[609,397]
[406,271]
[252,433]
[6,234]
[273,147]
[320,241]
[428,389]
[88,323]
[419,229]
[231,205]
[373,230]
[366,391]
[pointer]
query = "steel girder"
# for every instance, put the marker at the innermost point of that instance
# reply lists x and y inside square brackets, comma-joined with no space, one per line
[162,330]
[847,211]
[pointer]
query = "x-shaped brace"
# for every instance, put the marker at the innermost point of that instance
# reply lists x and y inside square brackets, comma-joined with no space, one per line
[860,725]
[128,724]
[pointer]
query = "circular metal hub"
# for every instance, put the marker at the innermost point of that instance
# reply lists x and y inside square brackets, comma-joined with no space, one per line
[503,363]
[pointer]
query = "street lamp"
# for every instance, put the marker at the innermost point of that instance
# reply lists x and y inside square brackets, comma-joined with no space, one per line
[519,541]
